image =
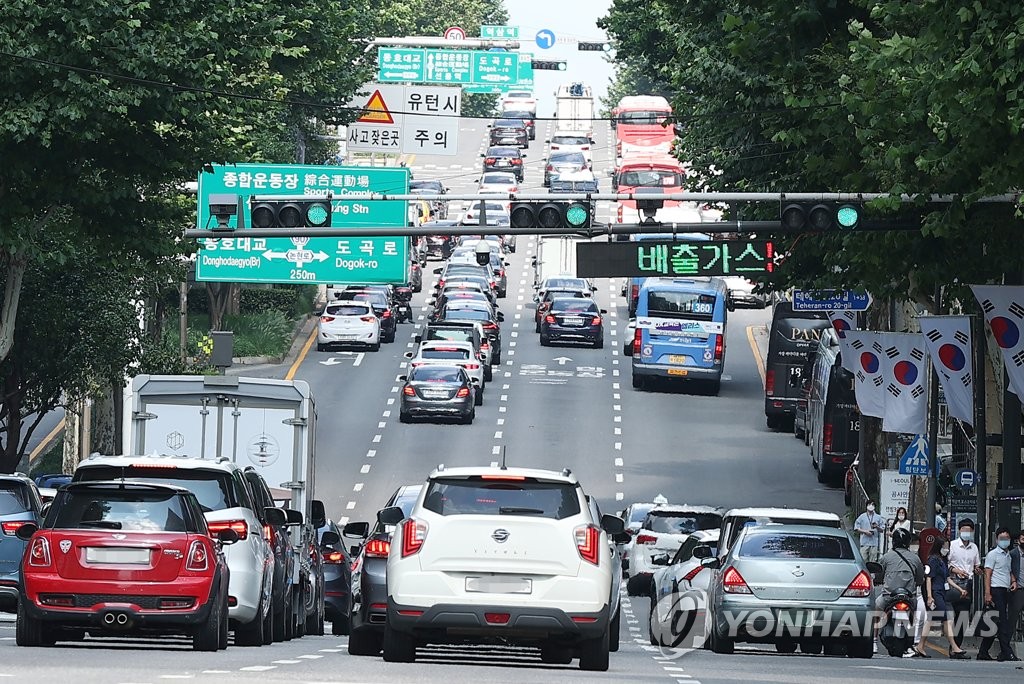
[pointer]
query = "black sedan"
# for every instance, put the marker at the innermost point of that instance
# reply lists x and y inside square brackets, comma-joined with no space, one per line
[368,609]
[573,319]
[509,132]
[441,391]
[337,577]
[472,311]
[382,306]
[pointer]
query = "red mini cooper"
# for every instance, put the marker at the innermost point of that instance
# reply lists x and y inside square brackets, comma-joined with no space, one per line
[123,558]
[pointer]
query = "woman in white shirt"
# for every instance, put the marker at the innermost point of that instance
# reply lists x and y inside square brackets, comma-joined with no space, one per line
[900,522]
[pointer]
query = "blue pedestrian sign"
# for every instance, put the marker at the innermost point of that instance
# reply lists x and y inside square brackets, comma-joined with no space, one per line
[966,478]
[830,300]
[915,460]
[545,39]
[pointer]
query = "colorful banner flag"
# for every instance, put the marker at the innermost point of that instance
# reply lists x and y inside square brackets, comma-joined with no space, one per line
[948,339]
[905,373]
[843,322]
[868,370]
[1004,310]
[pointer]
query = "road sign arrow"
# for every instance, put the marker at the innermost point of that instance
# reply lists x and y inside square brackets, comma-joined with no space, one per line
[320,256]
[333,361]
[562,360]
[270,255]
[399,74]
[494,77]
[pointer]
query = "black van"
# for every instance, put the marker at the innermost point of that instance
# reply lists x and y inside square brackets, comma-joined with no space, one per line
[793,336]
[832,415]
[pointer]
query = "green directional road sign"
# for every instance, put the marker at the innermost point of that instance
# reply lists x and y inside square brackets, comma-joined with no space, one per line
[453,67]
[487,31]
[240,259]
[525,69]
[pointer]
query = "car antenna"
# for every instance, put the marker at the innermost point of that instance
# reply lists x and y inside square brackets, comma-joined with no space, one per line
[503,466]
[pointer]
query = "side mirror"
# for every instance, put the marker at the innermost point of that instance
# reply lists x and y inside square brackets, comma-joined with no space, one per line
[621,538]
[501,317]
[711,563]
[523,156]
[437,271]
[730,304]
[873,567]
[330,538]
[482,155]
[390,516]
[612,524]
[227,537]
[475,381]
[294,517]
[25,532]
[431,302]
[547,140]
[357,529]
[275,516]
[318,514]
[45,509]
[403,378]
[417,338]
[659,559]
[408,355]
[701,552]
[353,550]
[604,311]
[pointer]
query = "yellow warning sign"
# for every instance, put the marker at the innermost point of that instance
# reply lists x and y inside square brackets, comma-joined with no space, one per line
[376,111]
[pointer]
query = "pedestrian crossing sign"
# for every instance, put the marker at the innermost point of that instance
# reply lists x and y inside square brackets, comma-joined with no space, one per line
[915,460]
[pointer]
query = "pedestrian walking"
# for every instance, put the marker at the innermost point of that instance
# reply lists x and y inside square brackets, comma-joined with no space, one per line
[937,585]
[1017,598]
[940,519]
[900,522]
[870,526]
[964,566]
[999,583]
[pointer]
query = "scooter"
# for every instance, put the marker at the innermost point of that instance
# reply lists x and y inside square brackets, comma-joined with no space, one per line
[403,298]
[897,635]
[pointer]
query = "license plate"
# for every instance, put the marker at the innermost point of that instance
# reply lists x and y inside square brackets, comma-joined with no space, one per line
[573,320]
[677,371]
[499,585]
[348,336]
[435,395]
[116,555]
[797,618]
[676,358]
[501,163]
[901,615]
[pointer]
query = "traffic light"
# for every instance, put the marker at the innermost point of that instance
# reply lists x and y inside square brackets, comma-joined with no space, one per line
[549,65]
[290,212]
[603,46]
[814,216]
[546,214]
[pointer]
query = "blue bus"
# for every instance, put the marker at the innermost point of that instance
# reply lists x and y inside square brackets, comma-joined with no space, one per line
[680,331]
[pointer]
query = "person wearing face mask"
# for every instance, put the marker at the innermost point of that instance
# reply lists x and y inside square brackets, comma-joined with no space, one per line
[870,527]
[900,522]
[999,584]
[1017,568]
[937,585]
[964,562]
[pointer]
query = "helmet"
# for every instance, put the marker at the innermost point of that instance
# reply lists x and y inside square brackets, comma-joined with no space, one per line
[901,539]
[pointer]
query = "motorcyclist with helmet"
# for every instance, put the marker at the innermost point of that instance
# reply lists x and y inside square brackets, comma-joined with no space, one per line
[902,569]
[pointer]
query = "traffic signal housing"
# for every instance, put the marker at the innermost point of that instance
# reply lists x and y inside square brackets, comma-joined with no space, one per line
[290,212]
[572,214]
[599,46]
[549,65]
[819,216]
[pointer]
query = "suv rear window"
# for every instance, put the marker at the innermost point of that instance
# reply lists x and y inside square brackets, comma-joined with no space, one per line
[215,489]
[797,546]
[112,509]
[453,353]
[14,498]
[670,522]
[476,496]
[450,335]
[674,304]
[570,140]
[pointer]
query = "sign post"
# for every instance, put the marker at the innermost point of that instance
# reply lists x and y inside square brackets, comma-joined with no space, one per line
[236,258]
[410,119]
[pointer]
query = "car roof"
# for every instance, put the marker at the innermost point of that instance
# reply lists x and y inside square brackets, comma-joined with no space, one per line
[707,535]
[476,471]
[127,483]
[17,477]
[792,513]
[161,461]
[685,508]
[796,529]
[515,151]
[446,343]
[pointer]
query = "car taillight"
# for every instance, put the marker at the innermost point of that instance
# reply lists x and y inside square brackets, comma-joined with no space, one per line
[485,345]
[769,383]
[719,347]
[634,290]
[440,284]
[268,533]
[386,314]
[326,319]
[11,527]
[860,586]
[408,391]
[39,553]
[334,558]
[198,558]
[585,148]
[588,543]
[377,548]
[688,577]
[472,366]
[826,437]
[901,605]
[462,393]
[549,319]
[240,527]
[367,319]
[501,273]
[550,168]
[638,340]
[646,539]
[490,326]
[733,582]
[414,533]
[517,161]
[489,160]
[596,321]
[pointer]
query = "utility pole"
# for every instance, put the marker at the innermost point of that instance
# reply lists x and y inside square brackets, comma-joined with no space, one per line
[980,428]
[933,426]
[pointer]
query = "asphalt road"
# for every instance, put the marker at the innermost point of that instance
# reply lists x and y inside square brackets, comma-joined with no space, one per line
[548,407]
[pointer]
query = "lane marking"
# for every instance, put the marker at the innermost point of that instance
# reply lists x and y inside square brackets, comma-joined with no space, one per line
[371,453]
[376,439]
[365,469]
[757,353]
[290,375]
[358,487]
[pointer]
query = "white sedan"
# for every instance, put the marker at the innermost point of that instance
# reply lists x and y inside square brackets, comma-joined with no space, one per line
[449,353]
[348,322]
[496,212]
[573,142]
[498,182]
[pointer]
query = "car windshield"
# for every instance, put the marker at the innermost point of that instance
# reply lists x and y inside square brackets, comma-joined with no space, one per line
[475,496]
[574,305]
[14,498]
[436,374]
[128,509]
[376,299]
[568,158]
[651,178]
[570,140]
[807,546]
[670,522]
[642,118]
[674,304]
[426,185]
[466,315]
[519,95]
[215,489]
[517,114]
[346,310]
[498,179]
[565,284]
[502,152]
[453,353]
[638,512]
[491,206]
[508,123]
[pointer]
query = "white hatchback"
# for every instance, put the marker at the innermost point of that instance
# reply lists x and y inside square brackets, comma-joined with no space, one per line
[573,142]
[449,353]
[348,322]
[663,530]
[514,554]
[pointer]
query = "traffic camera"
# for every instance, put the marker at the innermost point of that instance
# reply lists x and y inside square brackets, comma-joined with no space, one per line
[548,214]
[483,252]
[290,212]
[222,208]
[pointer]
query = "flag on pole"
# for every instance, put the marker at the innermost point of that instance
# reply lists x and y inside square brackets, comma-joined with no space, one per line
[905,371]
[1004,310]
[948,339]
[843,322]
[868,370]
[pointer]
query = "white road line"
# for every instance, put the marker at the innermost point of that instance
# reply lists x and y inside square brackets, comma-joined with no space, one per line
[618,477]
[616,407]
[619,496]
[350,505]
[358,487]
[615,362]
[618,446]
[615,352]
[503,397]
[617,419]
[618,431]
[615,372]
[618,462]
[391,401]
[381,426]
[376,439]
[505,386]
[507,374]
[616,395]
[615,385]
[497,434]
[511,352]
[256,668]
[512,343]
[310,656]
[502,409]
[495,450]
[371,453]
[501,421]
[387,414]
[394,390]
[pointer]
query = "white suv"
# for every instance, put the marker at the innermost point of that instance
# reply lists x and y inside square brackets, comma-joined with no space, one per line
[220,487]
[517,554]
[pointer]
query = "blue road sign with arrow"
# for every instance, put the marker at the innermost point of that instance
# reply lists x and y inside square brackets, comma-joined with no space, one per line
[545,39]
[914,460]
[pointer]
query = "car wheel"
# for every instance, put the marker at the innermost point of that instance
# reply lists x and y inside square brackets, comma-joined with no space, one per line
[404,417]
[364,642]
[774,422]
[599,344]
[536,325]
[321,347]
[654,639]
[225,626]
[478,400]
[251,634]
[810,647]
[497,358]
[862,647]
[627,348]
[207,635]
[398,646]
[29,630]
[268,626]
[822,476]
[720,645]
[280,617]
[545,341]
[315,619]
[388,339]
[714,387]
[638,382]
[786,647]
[553,654]
[340,627]
[375,347]
[638,585]
[488,373]
[594,654]
[613,631]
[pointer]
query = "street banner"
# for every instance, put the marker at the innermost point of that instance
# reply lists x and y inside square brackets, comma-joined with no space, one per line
[948,339]
[843,322]
[1004,310]
[906,400]
[866,363]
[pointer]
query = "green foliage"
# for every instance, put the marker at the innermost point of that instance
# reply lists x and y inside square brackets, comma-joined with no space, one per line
[50,462]
[263,334]
[291,301]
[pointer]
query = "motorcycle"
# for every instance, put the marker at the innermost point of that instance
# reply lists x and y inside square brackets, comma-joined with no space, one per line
[403,298]
[897,635]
